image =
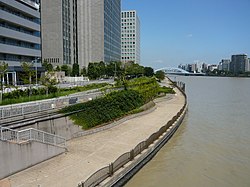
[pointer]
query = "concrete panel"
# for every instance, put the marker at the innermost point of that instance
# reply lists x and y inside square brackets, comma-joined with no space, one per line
[16,157]
[19,21]
[19,50]
[61,126]
[22,8]
[9,33]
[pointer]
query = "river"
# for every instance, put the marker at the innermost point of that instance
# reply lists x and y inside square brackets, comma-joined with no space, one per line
[212,146]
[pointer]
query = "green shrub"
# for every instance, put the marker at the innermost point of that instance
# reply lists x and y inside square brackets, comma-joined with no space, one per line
[105,109]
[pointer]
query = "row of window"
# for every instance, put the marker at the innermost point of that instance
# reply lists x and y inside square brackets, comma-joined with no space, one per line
[128,31]
[125,51]
[18,43]
[19,29]
[19,14]
[128,24]
[128,14]
[51,60]
[128,27]
[128,42]
[19,58]
[128,35]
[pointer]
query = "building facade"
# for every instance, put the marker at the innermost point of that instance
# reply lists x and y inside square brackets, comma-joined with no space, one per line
[239,64]
[224,65]
[99,31]
[130,36]
[20,35]
[59,31]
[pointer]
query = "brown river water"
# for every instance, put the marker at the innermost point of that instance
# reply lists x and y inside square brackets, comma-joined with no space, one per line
[212,146]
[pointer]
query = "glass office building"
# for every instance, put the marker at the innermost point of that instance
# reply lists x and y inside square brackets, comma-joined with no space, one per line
[99,31]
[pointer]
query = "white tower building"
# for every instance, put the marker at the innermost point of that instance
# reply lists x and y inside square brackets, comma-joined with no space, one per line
[130,36]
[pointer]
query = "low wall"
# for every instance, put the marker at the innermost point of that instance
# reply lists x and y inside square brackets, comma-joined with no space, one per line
[62,126]
[17,157]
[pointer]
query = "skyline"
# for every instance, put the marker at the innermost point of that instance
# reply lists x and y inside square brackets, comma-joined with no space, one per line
[174,32]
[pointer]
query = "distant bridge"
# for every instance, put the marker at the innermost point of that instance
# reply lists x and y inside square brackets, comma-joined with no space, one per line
[178,71]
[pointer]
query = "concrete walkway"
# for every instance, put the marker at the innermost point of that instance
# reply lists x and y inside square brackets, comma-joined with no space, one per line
[89,153]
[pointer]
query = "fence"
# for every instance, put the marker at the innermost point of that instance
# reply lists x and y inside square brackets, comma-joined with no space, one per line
[108,171]
[31,134]
[49,104]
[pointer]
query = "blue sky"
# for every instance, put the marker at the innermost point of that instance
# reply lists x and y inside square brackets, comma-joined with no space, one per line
[184,31]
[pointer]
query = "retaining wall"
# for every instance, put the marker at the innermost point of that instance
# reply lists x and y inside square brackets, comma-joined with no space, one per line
[16,157]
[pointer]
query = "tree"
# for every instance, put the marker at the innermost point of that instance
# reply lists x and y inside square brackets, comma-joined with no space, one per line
[28,73]
[84,72]
[75,70]
[66,69]
[49,80]
[134,70]
[58,68]
[148,71]
[47,66]
[93,70]
[102,69]
[3,70]
[160,75]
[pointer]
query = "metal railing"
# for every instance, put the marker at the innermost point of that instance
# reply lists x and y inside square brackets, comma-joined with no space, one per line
[44,105]
[31,134]
[108,171]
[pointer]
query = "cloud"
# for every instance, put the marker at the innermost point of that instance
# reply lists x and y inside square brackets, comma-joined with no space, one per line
[189,35]
[158,61]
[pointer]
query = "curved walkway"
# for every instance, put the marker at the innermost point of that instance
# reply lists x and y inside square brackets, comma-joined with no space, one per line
[89,153]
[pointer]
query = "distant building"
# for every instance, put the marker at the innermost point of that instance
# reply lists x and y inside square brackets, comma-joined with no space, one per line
[248,66]
[224,65]
[59,31]
[239,64]
[20,39]
[99,31]
[130,36]
[212,67]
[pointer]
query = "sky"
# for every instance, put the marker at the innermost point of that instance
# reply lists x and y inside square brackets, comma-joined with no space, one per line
[177,32]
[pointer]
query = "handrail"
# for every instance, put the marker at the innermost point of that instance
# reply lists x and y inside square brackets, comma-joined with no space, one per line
[43,105]
[31,134]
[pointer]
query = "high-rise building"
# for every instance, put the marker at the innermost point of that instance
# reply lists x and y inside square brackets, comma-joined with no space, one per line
[130,36]
[20,39]
[59,31]
[224,65]
[239,64]
[99,31]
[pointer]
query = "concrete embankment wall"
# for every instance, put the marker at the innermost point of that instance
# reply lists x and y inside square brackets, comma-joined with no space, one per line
[62,126]
[16,157]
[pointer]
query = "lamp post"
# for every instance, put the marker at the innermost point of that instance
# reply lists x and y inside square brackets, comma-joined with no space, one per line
[36,70]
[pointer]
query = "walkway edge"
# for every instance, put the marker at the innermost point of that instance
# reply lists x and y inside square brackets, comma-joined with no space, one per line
[130,169]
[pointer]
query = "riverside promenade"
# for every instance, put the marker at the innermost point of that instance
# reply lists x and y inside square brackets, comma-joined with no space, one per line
[89,153]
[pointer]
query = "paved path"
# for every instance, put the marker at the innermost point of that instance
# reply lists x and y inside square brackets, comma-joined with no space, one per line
[89,153]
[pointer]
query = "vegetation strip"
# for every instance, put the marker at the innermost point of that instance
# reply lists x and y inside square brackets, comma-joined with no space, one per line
[116,104]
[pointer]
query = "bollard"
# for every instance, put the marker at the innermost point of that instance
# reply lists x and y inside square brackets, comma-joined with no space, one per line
[132,154]
[111,169]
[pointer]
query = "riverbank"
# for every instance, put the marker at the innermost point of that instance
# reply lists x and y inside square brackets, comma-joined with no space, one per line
[89,153]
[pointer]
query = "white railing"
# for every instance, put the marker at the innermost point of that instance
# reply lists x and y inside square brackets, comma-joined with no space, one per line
[44,105]
[31,134]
